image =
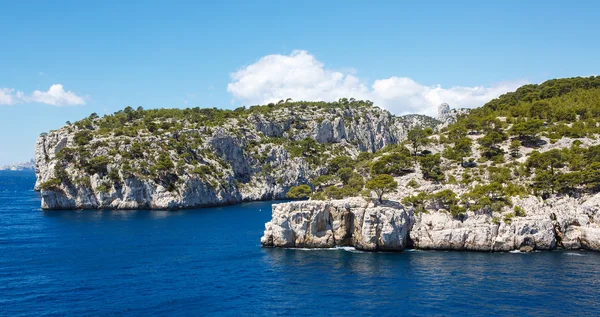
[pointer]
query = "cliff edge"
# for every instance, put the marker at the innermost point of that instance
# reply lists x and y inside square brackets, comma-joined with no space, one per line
[564,223]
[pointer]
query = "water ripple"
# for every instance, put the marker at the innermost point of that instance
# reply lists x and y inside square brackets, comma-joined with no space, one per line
[208,262]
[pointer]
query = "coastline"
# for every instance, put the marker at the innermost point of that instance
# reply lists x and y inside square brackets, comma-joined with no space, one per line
[369,227]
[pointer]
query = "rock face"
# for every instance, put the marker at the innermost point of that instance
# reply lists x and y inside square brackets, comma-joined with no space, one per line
[448,116]
[350,222]
[555,224]
[443,110]
[245,158]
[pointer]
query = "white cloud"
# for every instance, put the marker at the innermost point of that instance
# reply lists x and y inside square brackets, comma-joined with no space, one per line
[301,76]
[404,95]
[8,96]
[56,96]
[298,76]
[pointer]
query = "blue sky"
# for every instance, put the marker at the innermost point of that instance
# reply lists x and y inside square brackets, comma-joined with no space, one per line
[407,56]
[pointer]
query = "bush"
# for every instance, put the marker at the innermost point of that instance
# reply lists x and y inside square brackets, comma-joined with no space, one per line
[417,201]
[340,162]
[299,192]
[114,176]
[519,212]
[413,183]
[83,181]
[334,192]
[51,184]
[97,165]
[83,137]
[164,163]
[394,164]
[103,188]
[318,196]
[323,180]
[344,174]
[445,199]
[457,211]
[382,184]
[431,167]
[508,218]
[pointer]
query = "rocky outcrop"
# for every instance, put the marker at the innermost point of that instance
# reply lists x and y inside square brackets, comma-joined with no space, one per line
[557,223]
[447,115]
[443,110]
[350,222]
[564,223]
[243,159]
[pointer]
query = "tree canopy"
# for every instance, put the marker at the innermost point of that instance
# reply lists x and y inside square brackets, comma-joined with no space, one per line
[382,184]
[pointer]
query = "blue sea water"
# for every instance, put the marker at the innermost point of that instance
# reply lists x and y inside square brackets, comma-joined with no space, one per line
[209,262]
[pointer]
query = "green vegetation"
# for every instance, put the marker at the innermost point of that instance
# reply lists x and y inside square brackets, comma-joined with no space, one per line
[417,138]
[308,148]
[51,184]
[492,154]
[299,192]
[164,162]
[431,167]
[83,137]
[382,184]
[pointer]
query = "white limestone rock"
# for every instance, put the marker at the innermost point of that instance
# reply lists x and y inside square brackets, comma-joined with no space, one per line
[349,222]
[564,223]
[350,130]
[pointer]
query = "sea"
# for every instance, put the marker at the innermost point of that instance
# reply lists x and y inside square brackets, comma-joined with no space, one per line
[209,262]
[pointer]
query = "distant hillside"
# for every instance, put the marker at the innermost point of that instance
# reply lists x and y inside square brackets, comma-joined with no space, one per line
[22,166]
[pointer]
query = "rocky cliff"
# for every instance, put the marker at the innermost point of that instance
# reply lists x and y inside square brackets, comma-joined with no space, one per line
[350,222]
[564,223]
[173,158]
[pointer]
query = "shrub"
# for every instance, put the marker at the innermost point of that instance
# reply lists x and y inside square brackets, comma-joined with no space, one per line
[164,163]
[103,188]
[114,176]
[83,181]
[413,183]
[382,184]
[417,201]
[394,163]
[431,167]
[508,218]
[457,211]
[445,198]
[51,184]
[344,174]
[323,180]
[318,196]
[452,180]
[340,162]
[299,192]
[519,212]
[334,192]
[97,165]
[82,138]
